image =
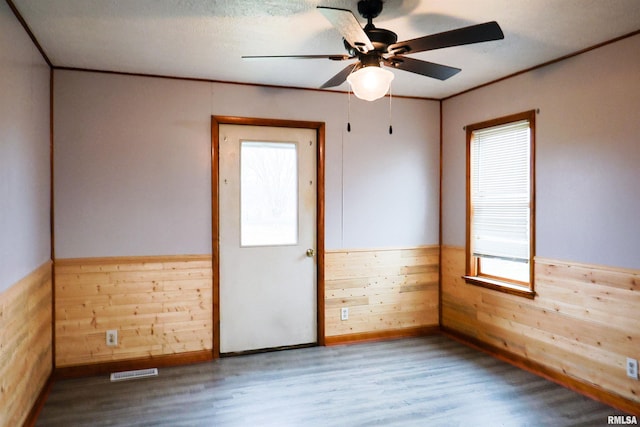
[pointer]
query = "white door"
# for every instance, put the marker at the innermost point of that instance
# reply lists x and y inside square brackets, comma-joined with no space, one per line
[267,196]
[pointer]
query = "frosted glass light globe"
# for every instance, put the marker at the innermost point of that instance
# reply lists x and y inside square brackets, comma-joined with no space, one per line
[370,83]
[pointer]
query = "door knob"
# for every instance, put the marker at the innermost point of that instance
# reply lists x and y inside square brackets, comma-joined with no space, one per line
[310,252]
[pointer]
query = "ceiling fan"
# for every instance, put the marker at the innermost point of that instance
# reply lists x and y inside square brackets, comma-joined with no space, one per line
[374,47]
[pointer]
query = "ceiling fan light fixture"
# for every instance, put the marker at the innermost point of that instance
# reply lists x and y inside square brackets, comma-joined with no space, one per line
[370,83]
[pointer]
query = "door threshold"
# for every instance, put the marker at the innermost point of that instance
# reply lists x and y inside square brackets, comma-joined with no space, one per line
[268,350]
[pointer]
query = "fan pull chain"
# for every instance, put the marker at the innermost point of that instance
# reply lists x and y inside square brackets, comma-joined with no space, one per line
[390,116]
[349,110]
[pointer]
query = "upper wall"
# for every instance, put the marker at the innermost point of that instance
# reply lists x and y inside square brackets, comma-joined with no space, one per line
[587,153]
[132,161]
[24,153]
[131,158]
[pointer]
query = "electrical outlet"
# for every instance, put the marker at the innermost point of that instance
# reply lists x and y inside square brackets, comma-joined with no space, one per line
[632,368]
[112,337]
[344,313]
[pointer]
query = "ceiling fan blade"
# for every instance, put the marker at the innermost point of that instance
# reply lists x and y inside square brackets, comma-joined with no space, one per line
[332,57]
[429,69]
[347,24]
[467,35]
[339,78]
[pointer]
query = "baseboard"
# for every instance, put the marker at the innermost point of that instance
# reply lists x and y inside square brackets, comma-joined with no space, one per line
[381,335]
[586,389]
[132,364]
[32,417]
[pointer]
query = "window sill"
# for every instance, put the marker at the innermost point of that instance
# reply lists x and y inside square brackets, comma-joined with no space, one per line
[497,285]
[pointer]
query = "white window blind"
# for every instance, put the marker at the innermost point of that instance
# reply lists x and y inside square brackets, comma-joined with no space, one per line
[500,191]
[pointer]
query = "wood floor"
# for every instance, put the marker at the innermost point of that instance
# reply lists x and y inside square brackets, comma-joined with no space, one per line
[431,381]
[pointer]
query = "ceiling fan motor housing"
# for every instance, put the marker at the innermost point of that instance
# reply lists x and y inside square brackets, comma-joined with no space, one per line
[381,38]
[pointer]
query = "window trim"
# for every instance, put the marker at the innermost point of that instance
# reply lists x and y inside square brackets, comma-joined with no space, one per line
[471,270]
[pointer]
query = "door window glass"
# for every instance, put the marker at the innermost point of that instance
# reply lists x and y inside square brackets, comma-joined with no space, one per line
[268,193]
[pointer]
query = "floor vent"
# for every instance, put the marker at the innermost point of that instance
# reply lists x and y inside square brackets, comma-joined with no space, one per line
[134,375]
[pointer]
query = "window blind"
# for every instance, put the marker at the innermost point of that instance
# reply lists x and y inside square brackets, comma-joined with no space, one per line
[500,191]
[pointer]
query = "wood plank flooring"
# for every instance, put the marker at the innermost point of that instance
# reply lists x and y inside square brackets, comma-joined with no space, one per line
[430,381]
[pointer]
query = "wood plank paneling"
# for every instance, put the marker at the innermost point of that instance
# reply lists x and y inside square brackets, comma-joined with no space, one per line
[25,344]
[385,290]
[583,321]
[159,305]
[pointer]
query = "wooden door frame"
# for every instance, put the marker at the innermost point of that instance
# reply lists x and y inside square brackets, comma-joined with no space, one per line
[216,121]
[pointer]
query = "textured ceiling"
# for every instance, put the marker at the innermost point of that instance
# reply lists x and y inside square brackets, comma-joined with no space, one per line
[206,38]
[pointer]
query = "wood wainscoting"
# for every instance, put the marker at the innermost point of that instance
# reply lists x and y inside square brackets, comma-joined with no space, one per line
[25,344]
[582,324]
[389,293]
[160,306]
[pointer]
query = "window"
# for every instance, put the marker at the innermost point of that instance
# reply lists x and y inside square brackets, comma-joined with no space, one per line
[268,193]
[500,203]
